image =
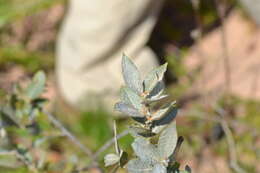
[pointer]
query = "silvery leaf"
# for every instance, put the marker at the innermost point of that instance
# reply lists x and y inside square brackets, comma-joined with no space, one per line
[140,131]
[159,168]
[167,118]
[37,85]
[111,159]
[157,90]
[139,166]
[131,75]
[155,99]
[154,77]
[127,109]
[167,141]
[172,158]
[129,97]
[158,129]
[145,150]
[161,112]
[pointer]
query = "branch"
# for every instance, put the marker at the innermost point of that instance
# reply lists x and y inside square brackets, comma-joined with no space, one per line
[101,150]
[67,133]
[109,143]
[20,157]
[230,141]
[221,14]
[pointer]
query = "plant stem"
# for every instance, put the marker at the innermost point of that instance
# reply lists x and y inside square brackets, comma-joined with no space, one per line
[67,133]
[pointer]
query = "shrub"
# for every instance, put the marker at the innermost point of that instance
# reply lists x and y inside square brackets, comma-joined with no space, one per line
[23,127]
[156,142]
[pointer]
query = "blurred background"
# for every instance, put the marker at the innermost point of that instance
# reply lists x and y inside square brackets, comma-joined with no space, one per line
[213,51]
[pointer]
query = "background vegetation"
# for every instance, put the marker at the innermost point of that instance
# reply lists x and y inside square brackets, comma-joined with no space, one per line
[219,134]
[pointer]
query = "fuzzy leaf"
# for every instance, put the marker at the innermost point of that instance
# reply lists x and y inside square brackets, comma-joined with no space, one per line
[139,166]
[167,141]
[139,131]
[129,97]
[157,90]
[37,85]
[127,109]
[155,99]
[173,156]
[131,75]
[161,112]
[140,119]
[111,159]
[159,168]
[167,118]
[154,77]
[145,150]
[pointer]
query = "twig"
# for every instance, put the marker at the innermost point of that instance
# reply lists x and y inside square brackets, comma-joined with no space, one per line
[67,133]
[20,157]
[109,143]
[221,14]
[114,170]
[231,147]
[199,114]
[230,141]
[229,136]
[101,150]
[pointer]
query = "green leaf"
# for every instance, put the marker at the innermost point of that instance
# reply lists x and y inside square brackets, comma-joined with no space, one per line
[167,141]
[154,77]
[111,159]
[145,150]
[159,168]
[139,166]
[127,109]
[36,87]
[131,75]
[129,97]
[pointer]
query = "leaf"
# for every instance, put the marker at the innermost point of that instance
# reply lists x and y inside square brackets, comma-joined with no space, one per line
[167,118]
[131,75]
[159,168]
[127,109]
[172,158]
[111,159]
[123,159]
[140,119]
[155,99]
[129,97]
[157,90]
[167,141]
[154,77]
[140,131]
[187,169]
[161,112]
[36,87]
[145,150]
[139,166]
